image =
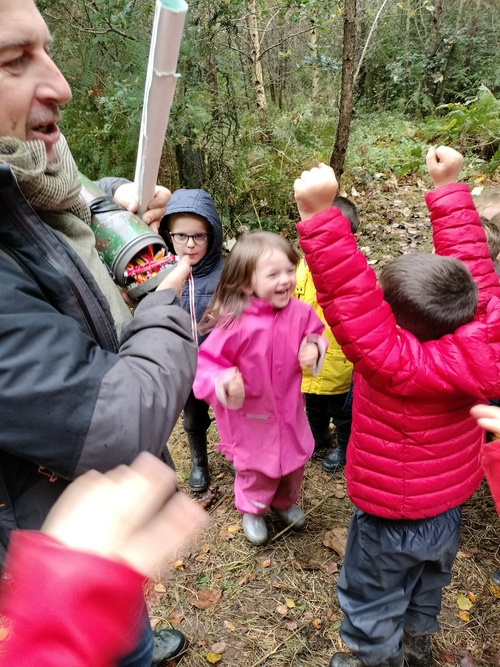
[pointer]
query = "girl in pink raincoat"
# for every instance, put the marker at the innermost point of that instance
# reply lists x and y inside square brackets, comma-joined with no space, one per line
[249,370]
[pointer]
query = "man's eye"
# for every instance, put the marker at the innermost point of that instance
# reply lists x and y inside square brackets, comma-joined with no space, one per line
[16,63]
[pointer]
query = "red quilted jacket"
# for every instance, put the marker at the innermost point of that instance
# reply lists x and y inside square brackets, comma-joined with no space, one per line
[67,608]
[414,450]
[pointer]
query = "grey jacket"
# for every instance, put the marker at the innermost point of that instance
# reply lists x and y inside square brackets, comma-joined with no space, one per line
[72,396]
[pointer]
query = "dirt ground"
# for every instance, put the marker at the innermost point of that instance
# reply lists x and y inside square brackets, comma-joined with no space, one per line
[275,605]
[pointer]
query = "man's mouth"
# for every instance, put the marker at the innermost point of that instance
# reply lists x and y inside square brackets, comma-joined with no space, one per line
[47,128]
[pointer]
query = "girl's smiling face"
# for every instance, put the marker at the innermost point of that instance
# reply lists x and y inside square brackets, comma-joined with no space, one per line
[274,279]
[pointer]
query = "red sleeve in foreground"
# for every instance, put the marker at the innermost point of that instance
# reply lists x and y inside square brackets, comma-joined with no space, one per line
[67,608]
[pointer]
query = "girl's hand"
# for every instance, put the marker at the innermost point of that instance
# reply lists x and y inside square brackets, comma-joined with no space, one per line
[235,391]
[315,191]
[308,355]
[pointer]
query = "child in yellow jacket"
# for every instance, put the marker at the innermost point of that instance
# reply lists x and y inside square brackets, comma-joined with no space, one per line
[328,395]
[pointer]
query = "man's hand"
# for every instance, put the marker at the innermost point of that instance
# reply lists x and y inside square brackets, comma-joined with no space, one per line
[315,190]
[177,276]
[308,355]
[125,195]
[132,514]
[444,165]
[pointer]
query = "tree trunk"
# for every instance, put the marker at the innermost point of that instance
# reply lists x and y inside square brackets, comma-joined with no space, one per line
[258,75]
[435,77]
[315,71]
[346,89]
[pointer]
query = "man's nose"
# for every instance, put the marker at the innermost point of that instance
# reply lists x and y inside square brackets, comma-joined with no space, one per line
[53,86]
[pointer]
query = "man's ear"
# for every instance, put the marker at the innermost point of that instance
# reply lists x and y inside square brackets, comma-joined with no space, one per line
[356,236]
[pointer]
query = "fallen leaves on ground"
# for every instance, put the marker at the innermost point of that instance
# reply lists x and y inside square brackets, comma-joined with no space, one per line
[204,599]
[336,540]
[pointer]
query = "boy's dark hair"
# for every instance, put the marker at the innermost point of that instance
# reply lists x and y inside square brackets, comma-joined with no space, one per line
[430,295]
[348,210]
[492,231]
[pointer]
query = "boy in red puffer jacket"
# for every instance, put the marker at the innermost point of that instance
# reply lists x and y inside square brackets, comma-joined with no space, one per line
[425,345]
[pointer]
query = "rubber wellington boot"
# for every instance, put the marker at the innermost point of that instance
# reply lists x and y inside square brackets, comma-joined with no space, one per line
[255,529]
[334,460]
[417,650]
[344,660]
[292,516]
[199,478]
[169,646]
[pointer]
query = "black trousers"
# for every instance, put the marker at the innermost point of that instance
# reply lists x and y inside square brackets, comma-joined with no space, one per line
[392,579]
[320,409]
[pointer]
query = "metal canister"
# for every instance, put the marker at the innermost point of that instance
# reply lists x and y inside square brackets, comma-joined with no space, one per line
[120,235]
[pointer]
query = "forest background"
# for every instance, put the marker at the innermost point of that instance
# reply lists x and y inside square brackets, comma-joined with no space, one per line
[269,88]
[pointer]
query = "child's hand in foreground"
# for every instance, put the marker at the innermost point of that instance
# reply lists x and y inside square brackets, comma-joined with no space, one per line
[488,417]
[315,190]
[308,355]
[132,514]
[444,165]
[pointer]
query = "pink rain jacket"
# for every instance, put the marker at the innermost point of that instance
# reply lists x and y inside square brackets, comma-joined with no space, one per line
[414,450]
[270,432]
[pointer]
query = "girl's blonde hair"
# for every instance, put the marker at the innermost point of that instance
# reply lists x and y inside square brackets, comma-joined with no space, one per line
[235,285]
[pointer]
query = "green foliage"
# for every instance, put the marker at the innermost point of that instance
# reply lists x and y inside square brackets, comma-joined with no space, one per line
[407,95]
[473,126]
[385,144]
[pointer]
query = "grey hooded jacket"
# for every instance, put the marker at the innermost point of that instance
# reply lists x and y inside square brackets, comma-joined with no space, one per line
[72,396]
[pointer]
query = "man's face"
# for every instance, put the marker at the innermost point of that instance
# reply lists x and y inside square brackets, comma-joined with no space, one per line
[31,86]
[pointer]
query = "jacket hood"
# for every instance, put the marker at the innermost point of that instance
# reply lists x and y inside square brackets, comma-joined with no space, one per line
[200,203]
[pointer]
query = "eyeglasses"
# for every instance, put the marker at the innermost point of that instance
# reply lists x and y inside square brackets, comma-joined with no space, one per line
[182,239]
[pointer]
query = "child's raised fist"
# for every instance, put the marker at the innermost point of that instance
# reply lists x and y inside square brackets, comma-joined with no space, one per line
[315,190]
[444,165]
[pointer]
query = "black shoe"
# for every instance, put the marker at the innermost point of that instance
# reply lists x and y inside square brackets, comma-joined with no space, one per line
[417,650]
[169,645]
[333,461]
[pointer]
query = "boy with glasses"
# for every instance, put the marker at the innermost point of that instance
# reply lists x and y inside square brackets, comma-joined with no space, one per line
[193,228]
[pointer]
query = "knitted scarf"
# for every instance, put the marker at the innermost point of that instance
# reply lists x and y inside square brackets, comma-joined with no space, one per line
[53,191]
